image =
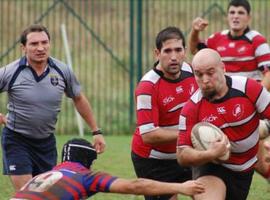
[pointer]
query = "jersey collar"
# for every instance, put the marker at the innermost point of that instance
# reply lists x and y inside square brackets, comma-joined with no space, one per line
[239,37]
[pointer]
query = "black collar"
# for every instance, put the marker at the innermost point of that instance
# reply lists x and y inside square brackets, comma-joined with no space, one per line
[239,37]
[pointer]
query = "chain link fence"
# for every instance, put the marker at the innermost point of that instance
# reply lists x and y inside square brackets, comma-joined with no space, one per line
[111,44]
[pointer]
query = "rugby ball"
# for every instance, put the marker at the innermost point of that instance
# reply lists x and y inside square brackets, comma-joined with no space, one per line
[203,134]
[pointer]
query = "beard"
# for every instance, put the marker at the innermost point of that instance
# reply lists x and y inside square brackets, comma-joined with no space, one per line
[209,94]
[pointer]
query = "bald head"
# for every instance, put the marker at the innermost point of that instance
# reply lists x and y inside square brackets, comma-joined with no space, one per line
[206,57]
[209,73]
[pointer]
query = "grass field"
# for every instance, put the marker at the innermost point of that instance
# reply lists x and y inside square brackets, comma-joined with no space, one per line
[116,160]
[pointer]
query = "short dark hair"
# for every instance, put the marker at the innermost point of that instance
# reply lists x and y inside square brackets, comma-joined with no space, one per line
[33,28]
[79,150]
[244,3]
[167,34]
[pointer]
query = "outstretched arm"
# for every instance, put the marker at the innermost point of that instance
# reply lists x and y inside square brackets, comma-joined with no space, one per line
[84,108]
[150,187]
[198,25]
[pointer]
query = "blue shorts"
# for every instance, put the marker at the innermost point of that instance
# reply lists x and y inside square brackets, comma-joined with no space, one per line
[23,155]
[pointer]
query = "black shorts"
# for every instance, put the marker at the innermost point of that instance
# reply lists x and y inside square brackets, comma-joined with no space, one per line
[23,155]
[237,183]
[161,170]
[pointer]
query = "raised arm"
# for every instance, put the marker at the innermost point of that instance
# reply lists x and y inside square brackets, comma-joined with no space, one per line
[150,187]
[198,25]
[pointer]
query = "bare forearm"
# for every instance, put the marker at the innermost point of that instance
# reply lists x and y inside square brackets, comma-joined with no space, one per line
[144,187]
[160,136]
[193,41]
[191,157]
[84,108]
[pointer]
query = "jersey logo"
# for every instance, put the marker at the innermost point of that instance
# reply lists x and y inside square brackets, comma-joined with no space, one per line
[12,167]
[54,79]
[237,111]
[241,49]
[167,100]
[221,110]
[231,44]
[179,89]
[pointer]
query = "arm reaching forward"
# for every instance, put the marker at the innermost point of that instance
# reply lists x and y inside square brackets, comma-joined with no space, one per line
[143,186]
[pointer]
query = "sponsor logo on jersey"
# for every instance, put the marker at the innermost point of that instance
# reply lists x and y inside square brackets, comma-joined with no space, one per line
[179,89]
[237,111]
[210,118]
[12,167]
[54,79]
[241,49]
[167,100]
[221,110]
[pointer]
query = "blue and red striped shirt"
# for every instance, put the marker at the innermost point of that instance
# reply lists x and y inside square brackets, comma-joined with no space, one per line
[67,181]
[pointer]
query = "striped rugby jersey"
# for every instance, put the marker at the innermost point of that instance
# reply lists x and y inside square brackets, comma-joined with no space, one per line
[237,114]
[158,103]
[67,181]
[247,55]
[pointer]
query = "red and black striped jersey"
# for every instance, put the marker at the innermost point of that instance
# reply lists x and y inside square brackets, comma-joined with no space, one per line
[158,104]
[237,114]
[247,55]
[67,181]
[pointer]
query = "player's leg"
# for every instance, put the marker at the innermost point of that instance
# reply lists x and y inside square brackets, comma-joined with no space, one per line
[237,184]
[45,156]
[16,160]
[25,157]
[215,189]
[263,166]
[19,180]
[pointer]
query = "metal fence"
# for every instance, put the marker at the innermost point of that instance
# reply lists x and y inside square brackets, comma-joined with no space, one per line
[111,43]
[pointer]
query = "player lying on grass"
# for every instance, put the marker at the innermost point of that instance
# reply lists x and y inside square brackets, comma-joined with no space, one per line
[73,179]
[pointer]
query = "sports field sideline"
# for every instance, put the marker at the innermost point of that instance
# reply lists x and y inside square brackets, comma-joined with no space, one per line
[116,160]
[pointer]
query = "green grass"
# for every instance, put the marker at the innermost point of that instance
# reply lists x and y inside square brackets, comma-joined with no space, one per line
[116,160]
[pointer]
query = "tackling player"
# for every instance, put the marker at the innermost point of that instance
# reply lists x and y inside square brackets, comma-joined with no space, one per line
[73,179]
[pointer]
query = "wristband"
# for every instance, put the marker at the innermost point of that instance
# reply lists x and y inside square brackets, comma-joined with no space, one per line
[98,132]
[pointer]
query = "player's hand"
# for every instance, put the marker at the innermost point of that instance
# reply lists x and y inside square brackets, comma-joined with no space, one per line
[99,143]
[199,24]
[3,119]
[220,147]
[192,187]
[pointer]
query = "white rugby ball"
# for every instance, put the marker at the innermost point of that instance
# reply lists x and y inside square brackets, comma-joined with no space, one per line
[203,134]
